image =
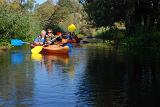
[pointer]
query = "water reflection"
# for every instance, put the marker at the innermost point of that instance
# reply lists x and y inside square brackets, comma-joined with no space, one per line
[143,79]
[16,80]
[85,77]
[36,57]
[105,80]
[17,57]
[51,60]
[59,75]
[118,80]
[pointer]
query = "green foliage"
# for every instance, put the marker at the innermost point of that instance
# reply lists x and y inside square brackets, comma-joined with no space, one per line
[16,24]
[69,12]
[45,11]
[109,34]
[2,2]
[142,40]
[46,14]
[105,12]
[55,27]
[65,7]
[14,6]
[98,45]
[4,42]
[34,28]
[29,4]
[133,12]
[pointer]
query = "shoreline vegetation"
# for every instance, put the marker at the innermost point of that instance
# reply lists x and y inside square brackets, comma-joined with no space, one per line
[25,19]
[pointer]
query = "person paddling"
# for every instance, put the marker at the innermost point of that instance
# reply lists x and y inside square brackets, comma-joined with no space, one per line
[74,37]
[50,38]
[65,42]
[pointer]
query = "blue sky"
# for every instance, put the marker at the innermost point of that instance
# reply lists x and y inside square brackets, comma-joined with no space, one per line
[42,1]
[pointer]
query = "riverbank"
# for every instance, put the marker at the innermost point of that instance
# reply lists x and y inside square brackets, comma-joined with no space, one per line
[3,48]
[120,38]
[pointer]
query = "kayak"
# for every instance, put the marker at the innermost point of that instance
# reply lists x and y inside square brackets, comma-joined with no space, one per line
[54,49]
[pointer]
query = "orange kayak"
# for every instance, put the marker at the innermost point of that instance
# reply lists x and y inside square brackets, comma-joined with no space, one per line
[54,49]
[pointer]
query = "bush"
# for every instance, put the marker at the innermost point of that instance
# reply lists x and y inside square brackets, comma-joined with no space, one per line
[17,24]
[142,40]
[109,34]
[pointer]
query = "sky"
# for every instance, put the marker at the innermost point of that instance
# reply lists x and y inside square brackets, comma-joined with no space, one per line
[42,1]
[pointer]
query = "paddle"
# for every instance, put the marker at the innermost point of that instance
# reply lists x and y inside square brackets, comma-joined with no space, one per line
[36,49]
[18,42]
[71,28]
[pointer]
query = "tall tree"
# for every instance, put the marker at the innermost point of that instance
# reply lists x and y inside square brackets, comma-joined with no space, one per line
[133,12]
[67,12]
[45,10]
[29,4]
[64,8]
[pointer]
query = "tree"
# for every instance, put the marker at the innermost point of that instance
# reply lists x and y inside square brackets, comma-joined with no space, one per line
[15,6]
[45,10]
[68,12]
[29,5]
[105,12]
[2,2]
[64,8]
[134,13]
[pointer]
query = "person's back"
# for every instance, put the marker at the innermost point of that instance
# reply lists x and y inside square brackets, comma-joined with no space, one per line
[59,37]
[69,36]
[64,41]
[75,38]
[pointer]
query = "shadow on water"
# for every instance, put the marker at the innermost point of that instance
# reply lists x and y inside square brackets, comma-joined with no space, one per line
[85,77]
[114,79]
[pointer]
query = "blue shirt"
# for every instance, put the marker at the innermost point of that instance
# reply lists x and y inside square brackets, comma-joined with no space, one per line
[39,39]
[69,37]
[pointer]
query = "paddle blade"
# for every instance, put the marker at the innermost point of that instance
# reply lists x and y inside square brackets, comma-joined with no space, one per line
[16,42]
[36,49]
[71,28]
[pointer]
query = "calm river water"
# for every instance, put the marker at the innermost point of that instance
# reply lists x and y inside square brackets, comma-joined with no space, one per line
[87,77]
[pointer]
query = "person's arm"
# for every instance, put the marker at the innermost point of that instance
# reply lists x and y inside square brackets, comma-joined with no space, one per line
[42,41]
[36,40]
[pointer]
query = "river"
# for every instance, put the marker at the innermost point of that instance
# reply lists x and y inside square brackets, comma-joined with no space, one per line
[87,77]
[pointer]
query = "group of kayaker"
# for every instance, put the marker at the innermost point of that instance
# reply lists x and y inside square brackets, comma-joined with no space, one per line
[48,38]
